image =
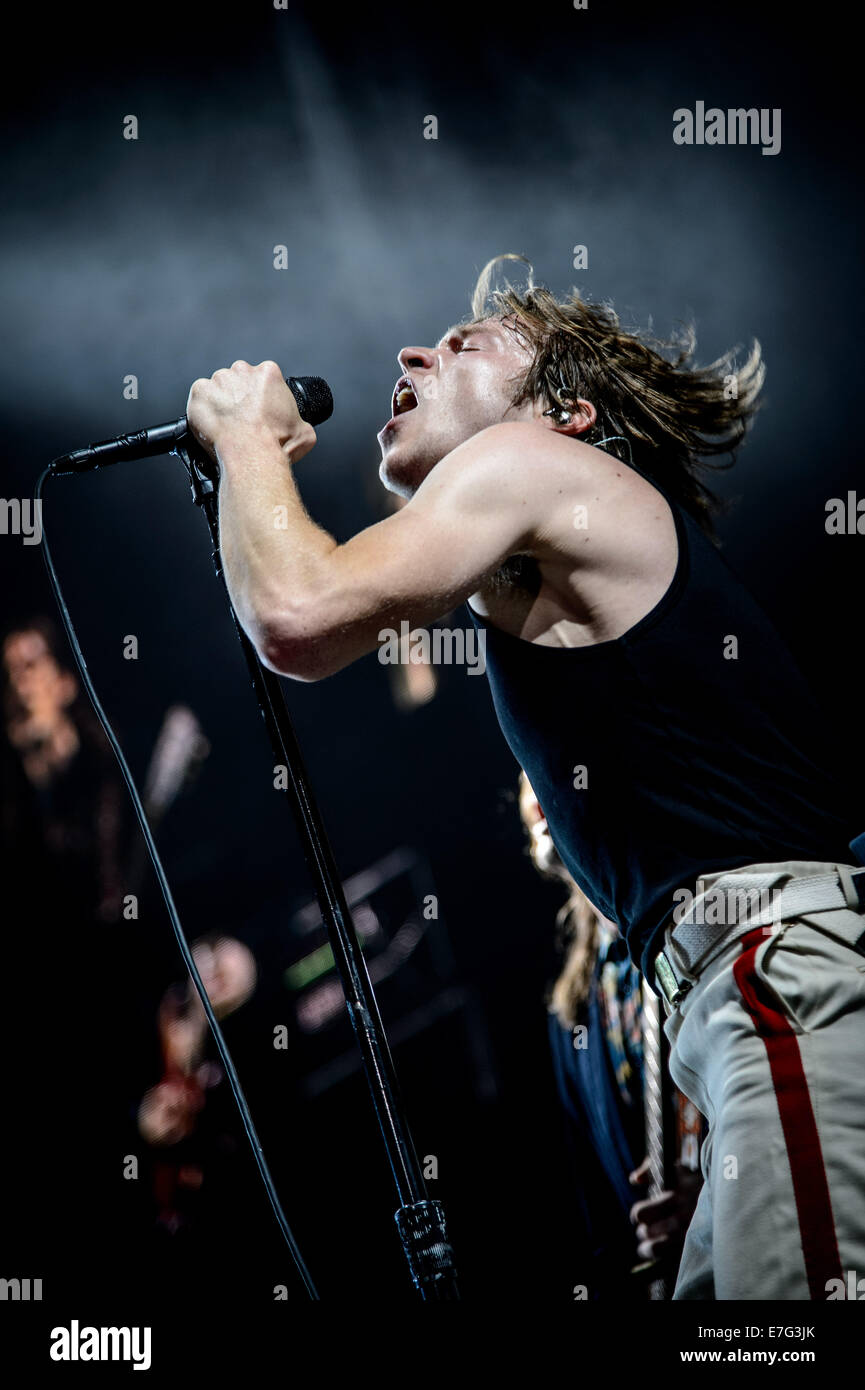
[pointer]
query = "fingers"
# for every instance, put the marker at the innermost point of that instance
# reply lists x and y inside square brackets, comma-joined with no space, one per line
[306,439]
[661,1220]
[244,399]
[166,1114]
[268,369]
[655,1241]
[660,1225]
[654,1208]
[641,1175]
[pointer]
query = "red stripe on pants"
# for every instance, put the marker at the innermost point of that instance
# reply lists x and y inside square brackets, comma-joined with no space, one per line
[811,1189]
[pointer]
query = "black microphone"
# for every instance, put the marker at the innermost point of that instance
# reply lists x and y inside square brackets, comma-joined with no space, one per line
[314,404]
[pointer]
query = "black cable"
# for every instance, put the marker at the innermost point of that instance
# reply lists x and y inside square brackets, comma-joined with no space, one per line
[215,1029]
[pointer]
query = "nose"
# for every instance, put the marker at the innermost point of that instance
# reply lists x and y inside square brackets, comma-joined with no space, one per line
[417,357]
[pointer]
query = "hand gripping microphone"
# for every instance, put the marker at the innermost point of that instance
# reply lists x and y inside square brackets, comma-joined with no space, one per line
[314,404]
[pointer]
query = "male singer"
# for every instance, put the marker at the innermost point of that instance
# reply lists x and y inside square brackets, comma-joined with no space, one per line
[551,462]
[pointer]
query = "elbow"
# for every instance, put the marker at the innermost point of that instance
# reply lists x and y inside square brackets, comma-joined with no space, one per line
[291,646]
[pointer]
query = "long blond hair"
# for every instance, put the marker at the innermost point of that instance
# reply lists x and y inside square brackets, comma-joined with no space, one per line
[577,924]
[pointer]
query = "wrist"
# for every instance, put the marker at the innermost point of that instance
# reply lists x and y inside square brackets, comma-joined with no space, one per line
[241,446]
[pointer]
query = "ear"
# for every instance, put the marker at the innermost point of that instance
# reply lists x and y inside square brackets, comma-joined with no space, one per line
[579,416]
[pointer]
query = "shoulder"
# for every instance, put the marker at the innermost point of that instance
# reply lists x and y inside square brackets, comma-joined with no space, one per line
[522,460]
[552,474]
[556,494]
[530,442]
[527,451]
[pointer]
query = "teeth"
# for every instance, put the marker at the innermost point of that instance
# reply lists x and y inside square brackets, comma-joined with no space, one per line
[404,397]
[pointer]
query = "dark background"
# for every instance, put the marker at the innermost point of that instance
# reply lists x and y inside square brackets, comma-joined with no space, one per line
[155,257]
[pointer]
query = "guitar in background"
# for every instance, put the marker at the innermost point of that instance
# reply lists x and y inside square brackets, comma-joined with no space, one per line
[178,753]
[63,812]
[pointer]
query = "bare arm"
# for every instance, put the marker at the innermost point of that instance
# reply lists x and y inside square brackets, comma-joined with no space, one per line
[312,606]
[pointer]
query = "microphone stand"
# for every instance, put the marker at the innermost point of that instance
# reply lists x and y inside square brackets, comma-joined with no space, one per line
[420,1221]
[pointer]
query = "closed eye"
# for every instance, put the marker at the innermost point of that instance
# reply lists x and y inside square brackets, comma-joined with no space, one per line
[458,344]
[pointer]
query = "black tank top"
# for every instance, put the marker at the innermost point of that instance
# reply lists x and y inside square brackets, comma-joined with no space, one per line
[696,760]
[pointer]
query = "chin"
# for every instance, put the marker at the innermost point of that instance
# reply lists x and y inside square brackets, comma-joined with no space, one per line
[401,476]
[392,480]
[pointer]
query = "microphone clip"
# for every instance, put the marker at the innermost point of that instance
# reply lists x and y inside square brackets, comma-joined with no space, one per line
[203,471]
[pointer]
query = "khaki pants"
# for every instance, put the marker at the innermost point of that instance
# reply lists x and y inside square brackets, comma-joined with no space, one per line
[770,1045]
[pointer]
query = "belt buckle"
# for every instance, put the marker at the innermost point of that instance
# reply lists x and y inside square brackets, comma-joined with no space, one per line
[852,884]
[672,991]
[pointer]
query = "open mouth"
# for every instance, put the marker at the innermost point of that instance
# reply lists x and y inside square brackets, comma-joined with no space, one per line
[404,397]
